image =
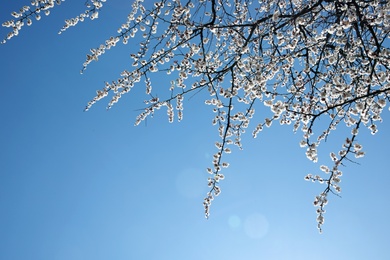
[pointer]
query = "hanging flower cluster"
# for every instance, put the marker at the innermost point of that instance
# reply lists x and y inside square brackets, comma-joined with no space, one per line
[303,59]
[92,11]
[27,14]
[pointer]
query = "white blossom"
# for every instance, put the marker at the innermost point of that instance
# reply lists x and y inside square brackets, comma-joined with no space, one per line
[290,57]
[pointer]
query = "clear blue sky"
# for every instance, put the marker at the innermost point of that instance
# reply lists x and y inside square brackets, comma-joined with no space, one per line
[90,185]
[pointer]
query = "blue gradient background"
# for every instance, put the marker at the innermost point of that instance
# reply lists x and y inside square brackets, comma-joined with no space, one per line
[90,185]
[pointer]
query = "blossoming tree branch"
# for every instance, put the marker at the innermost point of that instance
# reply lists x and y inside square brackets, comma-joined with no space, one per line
[303,59]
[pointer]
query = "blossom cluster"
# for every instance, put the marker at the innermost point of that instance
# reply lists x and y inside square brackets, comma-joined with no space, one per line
[27,14]
[92,11]
[303,60]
